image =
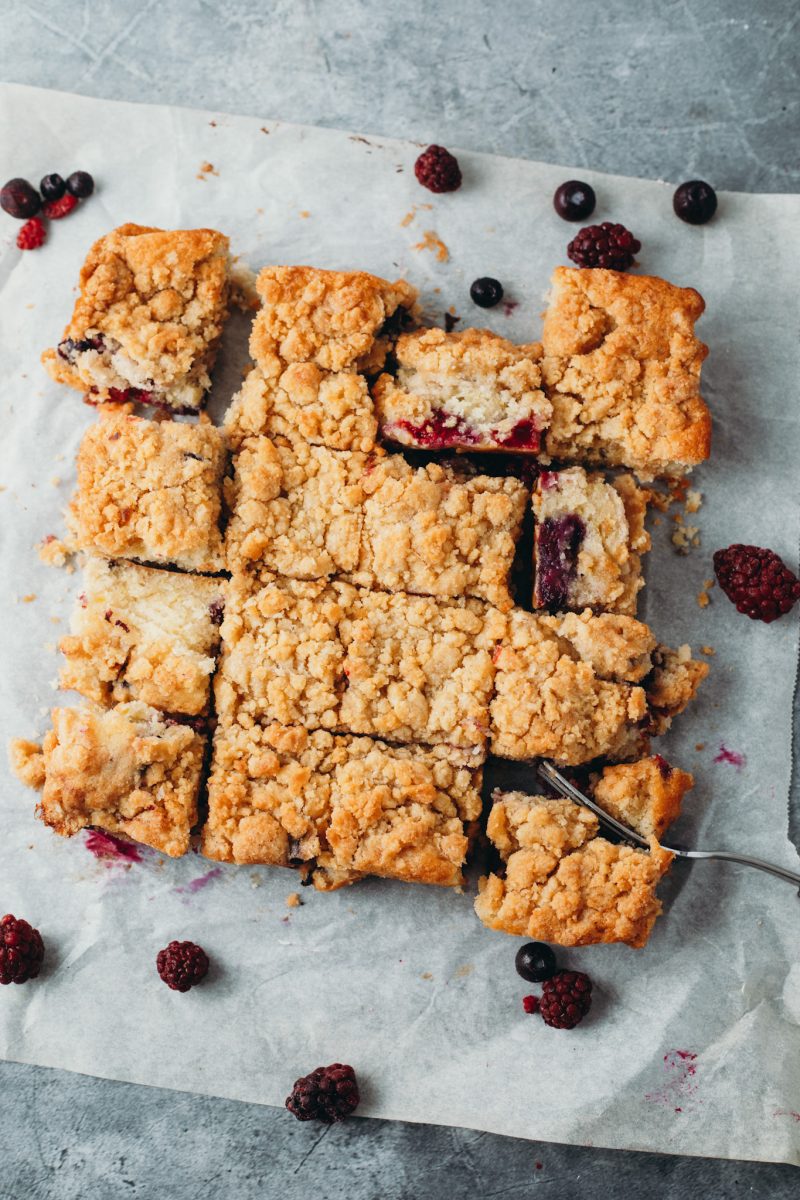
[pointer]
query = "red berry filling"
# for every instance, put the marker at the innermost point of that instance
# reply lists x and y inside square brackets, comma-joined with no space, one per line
[558,542]
[443,431]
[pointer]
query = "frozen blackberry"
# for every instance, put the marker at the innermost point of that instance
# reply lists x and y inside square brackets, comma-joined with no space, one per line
[21,950]
[574,200]
[610,246]
[52,187]
[181,965]
[80,184]
[19,199]
[535,962]
[486,292]
[757,581]
[328,1094]
[695,202]
[566,999]
[438,170]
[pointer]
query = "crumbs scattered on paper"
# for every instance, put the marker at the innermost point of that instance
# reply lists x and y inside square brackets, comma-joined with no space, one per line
[463,971]
[412,212]
[53,552]
[206,169]
[432,241]
[684,537]
[293,900]
[703,598]
[708,650]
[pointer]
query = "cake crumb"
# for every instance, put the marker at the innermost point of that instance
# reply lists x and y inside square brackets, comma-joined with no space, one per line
[709,650]
[29,598]
[305,214]
[426,975]
[293,900]
[432,241]
[684,537]
[56,481]
[53,552]
[699,745]
[703,598]
[206,169]
[694,499]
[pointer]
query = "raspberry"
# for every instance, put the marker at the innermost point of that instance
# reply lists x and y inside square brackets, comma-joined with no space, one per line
[567,999]
[695,202]
[181,965]
[606,245]
[437,170]
[32,235]
[574,200]
[530,1004]
[328,1094]
[757,581]
[21,950]
[19,199]
[55,209]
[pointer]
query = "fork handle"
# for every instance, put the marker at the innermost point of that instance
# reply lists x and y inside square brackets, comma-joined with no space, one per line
[747,861]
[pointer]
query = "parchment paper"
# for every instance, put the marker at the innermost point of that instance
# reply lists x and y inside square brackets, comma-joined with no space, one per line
[693,1043]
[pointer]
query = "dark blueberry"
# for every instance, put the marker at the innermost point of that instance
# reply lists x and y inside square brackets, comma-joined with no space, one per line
[80,184]
[216,611]
[558,542]
[695,202]
[574,201]
[70,347]
[535,962]
[19,199]
[52,187]
[486,292]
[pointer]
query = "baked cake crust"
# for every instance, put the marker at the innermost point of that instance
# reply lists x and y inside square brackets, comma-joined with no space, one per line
[127,770]
[148,318]
[150,490]
[646,795]
[622,370]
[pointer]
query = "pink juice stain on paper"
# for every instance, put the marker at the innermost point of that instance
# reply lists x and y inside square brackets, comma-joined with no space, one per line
[787,1112]
[202,881]
[110,849]
[509,307]
[681,1065]
[732,757]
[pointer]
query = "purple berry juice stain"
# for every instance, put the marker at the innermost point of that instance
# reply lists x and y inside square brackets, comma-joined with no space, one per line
[732,757]
[110,849]
[202,881]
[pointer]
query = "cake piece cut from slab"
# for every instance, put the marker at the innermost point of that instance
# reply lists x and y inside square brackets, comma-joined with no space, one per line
[646,795]
[469,390]
[143,634]
[148,318]
[150,490]
[339,807]
[419,669]
[128,770]
[673,684]
[561,882]
[622,370]
[589,537]
[326,408]
[340,320]
[566,687]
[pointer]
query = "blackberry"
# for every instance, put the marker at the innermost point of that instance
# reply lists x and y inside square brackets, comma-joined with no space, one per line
[757,581]
[610,246]
[535,962]
[574,201]
[695,202]
[486,292]
[181,965]
[328,1094]
[566,999]
[438,170]
[21,950]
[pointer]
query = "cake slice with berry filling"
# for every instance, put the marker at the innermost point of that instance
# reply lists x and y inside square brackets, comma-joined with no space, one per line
[589,536]
[148,319]
[143,634]
[129,770]
[150,490]
[469,390]
[564,883]
[622,370]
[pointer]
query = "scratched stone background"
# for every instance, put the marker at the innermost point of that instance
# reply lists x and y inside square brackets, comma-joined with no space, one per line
[670,89]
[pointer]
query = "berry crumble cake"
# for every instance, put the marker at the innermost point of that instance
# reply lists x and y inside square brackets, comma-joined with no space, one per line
[340,320]
[129,770]
[143,634]
[622,369]
[150,490]
[325,408]
[148,318]
[469,390]
[589,536]
[340,807]
[564,883]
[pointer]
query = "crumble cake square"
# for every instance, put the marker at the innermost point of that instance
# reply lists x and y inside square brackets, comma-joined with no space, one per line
[340,320]
[148,318]
[326,408]
[129,770]
[150,490]
[143,634]
[563,883]
[468,390]
[646,795]
[673,684]
[419,669]
[340,807]
[622,370]
[589,537]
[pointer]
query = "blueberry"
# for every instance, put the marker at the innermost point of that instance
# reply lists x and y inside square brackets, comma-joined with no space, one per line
[80,184]
[535,962]
[52,187]
[486,292]
[574,201]
[19,199]
[695,202]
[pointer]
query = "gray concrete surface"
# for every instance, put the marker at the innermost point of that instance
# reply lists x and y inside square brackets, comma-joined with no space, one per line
[671,89]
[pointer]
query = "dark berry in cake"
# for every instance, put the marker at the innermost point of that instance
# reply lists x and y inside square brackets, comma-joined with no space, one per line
[574,200]
[566,999]
[695,202]
[216,611]
[486,292]
[21,950]
[328,1094]
[535,962]
[80,184]
[55,209]
[181,965]
[664,768]
[558,543]
[19,199]
[606,245]
[438,170]
[70,347]
[32,235]
[52,187]
[757,581]
[530,1004]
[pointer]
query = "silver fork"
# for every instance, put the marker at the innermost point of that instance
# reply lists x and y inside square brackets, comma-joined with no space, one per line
[562,785]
